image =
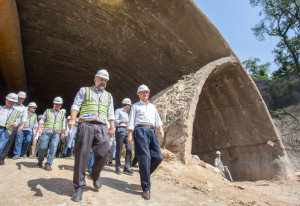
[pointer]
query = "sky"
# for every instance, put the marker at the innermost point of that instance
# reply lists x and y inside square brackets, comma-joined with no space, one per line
[234,19]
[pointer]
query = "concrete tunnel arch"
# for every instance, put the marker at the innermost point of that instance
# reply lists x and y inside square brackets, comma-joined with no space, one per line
[151,42]
[220,108]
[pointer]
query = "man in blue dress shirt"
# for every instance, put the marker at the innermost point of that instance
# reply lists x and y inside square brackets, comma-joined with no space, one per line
[142,120]
[121,121]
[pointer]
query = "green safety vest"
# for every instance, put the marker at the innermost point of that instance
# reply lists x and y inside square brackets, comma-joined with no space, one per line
[12,119]
[31,120]
[53,123]
[220,165]
[93,107]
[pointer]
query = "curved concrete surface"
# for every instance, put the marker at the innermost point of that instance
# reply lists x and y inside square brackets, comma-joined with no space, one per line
[11,57]
[220,108]
[150,42]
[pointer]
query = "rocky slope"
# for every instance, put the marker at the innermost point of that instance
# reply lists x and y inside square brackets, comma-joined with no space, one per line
[282,97]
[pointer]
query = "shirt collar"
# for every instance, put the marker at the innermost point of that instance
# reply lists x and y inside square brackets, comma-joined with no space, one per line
[123,109]
[142,102]
[4,107]
[97,89]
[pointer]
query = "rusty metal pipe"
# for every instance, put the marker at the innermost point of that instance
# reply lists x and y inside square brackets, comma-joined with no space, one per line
[11,56]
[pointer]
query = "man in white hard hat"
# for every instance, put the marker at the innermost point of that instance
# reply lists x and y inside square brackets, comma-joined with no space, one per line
[54,128]
[143,119]
[121,122]
[19,105]
[9,121]
[96,108]
[219,163]
[24,137]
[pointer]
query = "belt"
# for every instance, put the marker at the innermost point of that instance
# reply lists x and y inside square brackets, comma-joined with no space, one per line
[2,127]
[93,122]
[143,125]
[121,126]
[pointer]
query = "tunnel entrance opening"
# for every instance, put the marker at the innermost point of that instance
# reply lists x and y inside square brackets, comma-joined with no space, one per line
[229,118]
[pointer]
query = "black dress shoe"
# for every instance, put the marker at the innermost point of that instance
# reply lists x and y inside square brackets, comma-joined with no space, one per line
[2,161]
[118,171]
[40,164]
[77,195]
[146,195]
[128,171]
[97,183]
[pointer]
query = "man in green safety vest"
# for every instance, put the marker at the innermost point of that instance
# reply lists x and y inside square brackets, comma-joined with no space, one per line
[95,107]
[24,137]
[53,122]
[9,121]
[219,163]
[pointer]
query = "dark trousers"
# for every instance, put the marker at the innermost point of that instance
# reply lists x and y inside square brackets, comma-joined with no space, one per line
[61,146]
[9,143]
[90,135]
[134,161]
[148,153]
[122,138]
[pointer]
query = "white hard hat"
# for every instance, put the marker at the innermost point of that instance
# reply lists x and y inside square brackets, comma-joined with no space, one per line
[218,152]
[58,100]
[126,101]
[69,117]
[32,104]
[40,116]
[22,94]
[103,73]
[142,88]
[12,97]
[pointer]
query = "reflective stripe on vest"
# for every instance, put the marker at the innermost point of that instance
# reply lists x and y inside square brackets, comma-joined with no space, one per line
[31,120]
[53,123]
[12,119]
[93,106]
[220,165]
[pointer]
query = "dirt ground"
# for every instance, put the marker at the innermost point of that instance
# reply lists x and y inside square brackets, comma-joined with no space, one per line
[22,183]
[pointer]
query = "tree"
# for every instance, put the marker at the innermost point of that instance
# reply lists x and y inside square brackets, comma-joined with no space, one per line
[281,19]
[260,71]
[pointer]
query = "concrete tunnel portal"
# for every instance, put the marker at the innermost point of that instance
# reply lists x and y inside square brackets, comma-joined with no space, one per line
[218,107]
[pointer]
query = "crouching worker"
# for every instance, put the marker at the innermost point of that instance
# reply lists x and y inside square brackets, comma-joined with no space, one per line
[219,163]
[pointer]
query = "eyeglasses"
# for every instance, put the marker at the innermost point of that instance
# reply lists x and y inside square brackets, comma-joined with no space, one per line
[145,92]
[33,107]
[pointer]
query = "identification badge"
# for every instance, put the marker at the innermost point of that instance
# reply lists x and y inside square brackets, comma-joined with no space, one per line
[88,116]
[47,130]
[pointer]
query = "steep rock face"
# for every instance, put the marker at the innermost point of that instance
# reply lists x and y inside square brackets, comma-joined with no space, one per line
[282,97]
[220,108]
[152,42]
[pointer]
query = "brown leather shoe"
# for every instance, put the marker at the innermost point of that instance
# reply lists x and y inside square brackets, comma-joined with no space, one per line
[48,168]
[146,195]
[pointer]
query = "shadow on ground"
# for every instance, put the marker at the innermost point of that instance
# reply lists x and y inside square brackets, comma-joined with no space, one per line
[26,164]
[66,167]
[121,185]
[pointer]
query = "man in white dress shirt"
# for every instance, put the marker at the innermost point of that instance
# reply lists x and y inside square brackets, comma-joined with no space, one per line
[142,120]
[121,121]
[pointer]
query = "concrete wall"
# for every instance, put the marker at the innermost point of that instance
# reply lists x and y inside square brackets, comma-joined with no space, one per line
[220,108]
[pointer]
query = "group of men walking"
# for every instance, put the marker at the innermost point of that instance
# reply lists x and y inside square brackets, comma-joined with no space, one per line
[20,127]
[97,123]
[95,108]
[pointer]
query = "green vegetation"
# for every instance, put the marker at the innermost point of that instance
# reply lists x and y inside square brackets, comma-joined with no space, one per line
[281,18]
